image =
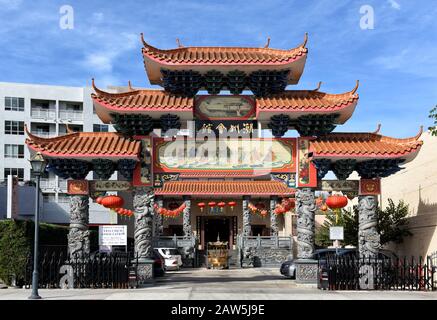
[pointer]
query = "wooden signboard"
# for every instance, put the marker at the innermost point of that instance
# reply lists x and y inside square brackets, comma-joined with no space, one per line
[370,187]
[78,187]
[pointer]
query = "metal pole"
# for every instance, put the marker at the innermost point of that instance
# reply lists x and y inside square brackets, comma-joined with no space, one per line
[35,294]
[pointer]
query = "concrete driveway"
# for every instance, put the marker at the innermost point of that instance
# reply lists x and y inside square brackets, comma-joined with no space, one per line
[235,284]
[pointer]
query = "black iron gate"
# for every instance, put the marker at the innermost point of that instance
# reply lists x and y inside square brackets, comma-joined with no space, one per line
[99,270]
[351,273]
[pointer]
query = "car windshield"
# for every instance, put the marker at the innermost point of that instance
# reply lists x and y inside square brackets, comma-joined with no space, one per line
[171,252]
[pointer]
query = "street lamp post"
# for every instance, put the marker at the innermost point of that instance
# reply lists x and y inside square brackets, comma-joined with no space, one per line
[38,166]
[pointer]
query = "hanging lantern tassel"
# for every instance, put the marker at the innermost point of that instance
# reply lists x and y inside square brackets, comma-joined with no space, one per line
[232,204]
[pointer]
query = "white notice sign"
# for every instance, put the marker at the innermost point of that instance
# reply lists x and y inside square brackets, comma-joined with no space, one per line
[336,233]
[111,235]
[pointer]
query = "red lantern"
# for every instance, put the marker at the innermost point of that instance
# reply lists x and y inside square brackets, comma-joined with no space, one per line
[201,205]
[221,205]
[260,206]
[232,204]
[211,204]
[99,200]
[112,202]
[336,202]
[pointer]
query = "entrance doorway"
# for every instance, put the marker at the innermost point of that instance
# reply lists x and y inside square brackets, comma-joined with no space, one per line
[217,228]
[210,228]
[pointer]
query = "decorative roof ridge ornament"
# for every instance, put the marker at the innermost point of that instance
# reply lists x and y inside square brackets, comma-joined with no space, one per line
[69,130]
[318,87]
[267,43]
[377,129]
[105,94]
[354,90]
[40,140]
[129,85]
[305,40]
[179,43]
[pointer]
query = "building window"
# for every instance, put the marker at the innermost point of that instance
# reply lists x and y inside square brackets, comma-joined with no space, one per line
[18,172]
[100,128]
[14,151]
[14,104]
[14,127]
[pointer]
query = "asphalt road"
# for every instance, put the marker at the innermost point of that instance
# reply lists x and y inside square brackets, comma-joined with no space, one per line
[201,284]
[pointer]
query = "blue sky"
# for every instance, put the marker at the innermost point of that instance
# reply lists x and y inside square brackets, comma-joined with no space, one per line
[396,62]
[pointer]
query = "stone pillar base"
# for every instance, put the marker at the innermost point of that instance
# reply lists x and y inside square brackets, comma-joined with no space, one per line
[145,273]
[307,271]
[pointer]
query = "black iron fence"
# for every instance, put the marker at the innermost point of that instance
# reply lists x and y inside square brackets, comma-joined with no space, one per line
[352,273]
[99,270]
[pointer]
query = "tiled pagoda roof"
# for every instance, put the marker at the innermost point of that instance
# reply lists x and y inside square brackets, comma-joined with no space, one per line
[231,188]
[203,59]
[224,55]
[292,102]
[364,145]
[82,145]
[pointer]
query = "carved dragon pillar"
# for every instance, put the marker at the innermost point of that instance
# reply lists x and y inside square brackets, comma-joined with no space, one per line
[273,217]
[368,239]
[79,236]
[157,219]
[143,201]
[368,236]
[187,217]
[306,267]
[247,254]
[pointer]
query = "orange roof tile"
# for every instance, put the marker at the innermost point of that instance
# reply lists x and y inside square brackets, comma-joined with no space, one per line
[231,188]
[306,100]
[296,101]
[85,145]
[144,100]
[219,174]
[364,145]
[224,55]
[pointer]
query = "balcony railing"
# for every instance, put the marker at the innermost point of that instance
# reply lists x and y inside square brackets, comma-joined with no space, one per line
[44,134]
[47,183]
[62,184]
[42,113]
[70,115]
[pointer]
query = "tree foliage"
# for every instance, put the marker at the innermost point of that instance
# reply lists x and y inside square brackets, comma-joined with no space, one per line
[392,225]
[433,115]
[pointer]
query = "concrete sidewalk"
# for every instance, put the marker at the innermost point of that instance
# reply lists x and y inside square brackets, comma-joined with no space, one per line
[201,284]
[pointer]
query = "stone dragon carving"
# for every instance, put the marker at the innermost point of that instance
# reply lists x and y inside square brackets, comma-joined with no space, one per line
[79,236]
[368,236]
[273,218]
[305,208]
[187,218]
[157,219]
[247,251]
[143,208]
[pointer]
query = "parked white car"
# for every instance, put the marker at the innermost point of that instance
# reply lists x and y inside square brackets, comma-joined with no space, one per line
[172,258]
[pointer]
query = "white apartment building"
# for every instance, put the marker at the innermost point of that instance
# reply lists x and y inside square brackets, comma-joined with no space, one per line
[46,110]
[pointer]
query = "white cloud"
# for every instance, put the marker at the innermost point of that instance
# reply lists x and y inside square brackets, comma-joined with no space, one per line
[10,4]
[98,16]
[394,4]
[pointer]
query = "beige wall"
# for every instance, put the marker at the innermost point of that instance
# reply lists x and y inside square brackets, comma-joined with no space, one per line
[417,186]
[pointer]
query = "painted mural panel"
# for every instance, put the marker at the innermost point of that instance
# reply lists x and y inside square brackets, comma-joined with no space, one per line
[307,172]
[270,155]
[225,107]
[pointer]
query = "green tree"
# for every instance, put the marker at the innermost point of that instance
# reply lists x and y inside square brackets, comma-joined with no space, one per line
[348,219]
[433,115]
[393,222]
[392,225]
